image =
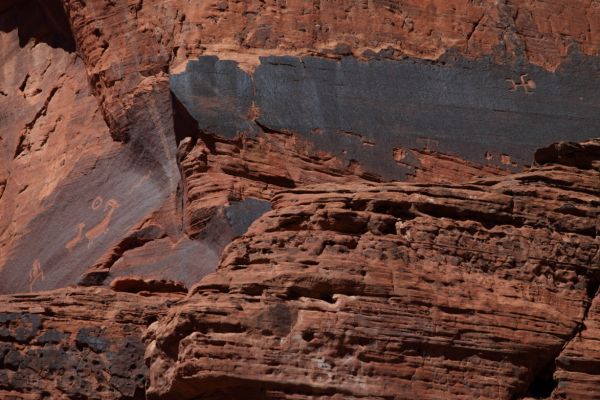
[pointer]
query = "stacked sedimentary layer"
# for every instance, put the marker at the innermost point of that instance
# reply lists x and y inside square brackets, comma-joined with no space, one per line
[481,290]
[382,291]
[138,139]
[204,110]
[83,343]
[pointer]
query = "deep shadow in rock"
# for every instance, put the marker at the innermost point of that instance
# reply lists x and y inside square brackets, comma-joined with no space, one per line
[543,383]
[43,21]
[183,123]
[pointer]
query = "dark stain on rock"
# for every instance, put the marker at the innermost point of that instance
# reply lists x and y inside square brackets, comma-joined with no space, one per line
[278,319]
[363,110]
[241,214]
[19,328]
[222,88]
[92,338]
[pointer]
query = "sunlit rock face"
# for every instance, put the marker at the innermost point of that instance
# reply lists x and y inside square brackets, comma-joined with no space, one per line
[370,199]
[398,290]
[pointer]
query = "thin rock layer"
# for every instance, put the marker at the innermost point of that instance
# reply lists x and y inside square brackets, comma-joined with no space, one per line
[399,291]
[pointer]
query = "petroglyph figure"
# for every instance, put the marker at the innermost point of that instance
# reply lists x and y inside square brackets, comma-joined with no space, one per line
[102,227]
[36,273]
[97,203]
[73,242]
[528,85]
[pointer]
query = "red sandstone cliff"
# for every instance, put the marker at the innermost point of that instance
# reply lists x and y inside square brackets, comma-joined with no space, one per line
[356,172]
[482,290]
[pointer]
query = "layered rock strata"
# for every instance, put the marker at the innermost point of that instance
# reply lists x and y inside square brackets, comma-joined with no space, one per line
[481,290]
[76,343]
[396,290]
[139,138]
[94,90]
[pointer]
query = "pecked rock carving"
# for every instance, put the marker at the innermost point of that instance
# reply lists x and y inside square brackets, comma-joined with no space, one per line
[528,85]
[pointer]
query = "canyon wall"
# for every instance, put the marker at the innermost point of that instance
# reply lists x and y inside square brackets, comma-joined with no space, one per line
[364,197]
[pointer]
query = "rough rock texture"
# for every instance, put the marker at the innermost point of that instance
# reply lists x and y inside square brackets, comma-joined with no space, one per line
[89,92]
[581,155]
[138,285]
[578,364]
[138,138]
[75,343]
[540,31]
[398,291]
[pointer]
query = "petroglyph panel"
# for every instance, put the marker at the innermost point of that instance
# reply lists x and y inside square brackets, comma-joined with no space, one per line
[361,111]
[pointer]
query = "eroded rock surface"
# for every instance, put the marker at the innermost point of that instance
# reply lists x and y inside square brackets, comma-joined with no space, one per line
[398,291]
[139,138]
[291,93]
[76,343]
[578,363]
[133,284]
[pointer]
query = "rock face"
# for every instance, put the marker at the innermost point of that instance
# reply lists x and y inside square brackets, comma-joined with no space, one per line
[76,343]
[203,110]
[358,171]
[364,111]
[399,291]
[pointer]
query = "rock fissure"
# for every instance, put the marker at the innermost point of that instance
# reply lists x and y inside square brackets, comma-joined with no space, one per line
[24,144]
[543,384]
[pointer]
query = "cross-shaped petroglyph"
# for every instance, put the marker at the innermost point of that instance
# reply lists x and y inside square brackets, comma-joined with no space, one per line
[527,84]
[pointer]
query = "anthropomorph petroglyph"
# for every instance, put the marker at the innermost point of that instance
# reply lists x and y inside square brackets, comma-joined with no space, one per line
[102,227]
[36,273]
[527,84]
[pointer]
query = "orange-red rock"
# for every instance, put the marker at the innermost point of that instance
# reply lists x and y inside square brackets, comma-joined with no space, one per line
[132,284]
[139,137]
[85,97]
[50,123]
[76,343]
[397,291]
